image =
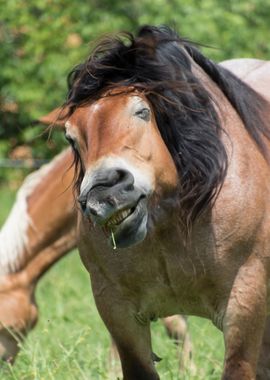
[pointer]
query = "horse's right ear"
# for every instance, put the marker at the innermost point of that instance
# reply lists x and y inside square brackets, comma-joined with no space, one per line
[56,117]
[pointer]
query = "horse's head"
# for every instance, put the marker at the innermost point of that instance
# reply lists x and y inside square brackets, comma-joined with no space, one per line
[142,124]
[124,161]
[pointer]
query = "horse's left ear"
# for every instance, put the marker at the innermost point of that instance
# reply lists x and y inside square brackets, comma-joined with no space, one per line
[56,117]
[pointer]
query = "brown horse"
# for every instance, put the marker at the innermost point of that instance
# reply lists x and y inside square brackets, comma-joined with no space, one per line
[25,256]
[172,170]
[46,232]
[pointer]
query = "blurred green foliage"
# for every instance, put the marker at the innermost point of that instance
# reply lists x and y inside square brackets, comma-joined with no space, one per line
[41,40]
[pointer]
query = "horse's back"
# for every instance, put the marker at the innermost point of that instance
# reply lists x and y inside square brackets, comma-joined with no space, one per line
[254,72]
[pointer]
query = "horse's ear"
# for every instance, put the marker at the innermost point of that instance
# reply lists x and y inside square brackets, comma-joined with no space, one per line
[56,117]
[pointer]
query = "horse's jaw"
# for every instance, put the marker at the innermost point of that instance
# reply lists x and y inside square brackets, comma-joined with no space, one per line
[132,229]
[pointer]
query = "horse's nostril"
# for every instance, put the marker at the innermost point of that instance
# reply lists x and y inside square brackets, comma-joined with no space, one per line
[122,174]
[126,179]
[92,211]
[87,208]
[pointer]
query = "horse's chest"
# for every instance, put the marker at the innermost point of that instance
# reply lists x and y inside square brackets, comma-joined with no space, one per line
[157,283]
[161,301]
[165,287]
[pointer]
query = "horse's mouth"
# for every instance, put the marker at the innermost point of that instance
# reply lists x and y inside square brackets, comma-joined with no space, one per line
[119,217]
[127,227]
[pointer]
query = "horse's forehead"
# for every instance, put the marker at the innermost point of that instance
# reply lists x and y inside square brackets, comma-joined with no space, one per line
[125,104]
[106,106]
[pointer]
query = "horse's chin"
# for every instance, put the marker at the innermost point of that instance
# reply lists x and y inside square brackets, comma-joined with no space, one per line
[133,229]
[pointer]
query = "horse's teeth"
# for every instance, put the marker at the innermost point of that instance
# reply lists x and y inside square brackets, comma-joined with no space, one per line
[116,219]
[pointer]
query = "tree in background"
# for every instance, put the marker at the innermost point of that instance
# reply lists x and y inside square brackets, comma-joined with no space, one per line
[41,40]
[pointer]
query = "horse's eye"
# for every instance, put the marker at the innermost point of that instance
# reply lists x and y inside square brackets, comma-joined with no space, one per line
[143,114]
[71,142]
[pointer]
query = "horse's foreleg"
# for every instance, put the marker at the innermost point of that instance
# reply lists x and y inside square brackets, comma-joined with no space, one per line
[177,329]
[114,366]
[136,356]
[244,322]
[263,368]
[131,335]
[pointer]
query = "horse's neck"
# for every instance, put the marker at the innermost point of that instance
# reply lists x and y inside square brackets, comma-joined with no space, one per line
[222,105]
[14,240]
[209,84]
[13,235]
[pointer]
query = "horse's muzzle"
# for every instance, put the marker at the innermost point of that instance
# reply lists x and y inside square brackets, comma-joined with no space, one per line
[113,201]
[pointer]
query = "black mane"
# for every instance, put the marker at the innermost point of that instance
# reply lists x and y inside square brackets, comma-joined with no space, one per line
[158,62]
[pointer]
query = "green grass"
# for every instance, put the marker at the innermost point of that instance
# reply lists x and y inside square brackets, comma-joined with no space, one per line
[71,343]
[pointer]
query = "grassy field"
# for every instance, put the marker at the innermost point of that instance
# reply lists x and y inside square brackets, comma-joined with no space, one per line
[71,343]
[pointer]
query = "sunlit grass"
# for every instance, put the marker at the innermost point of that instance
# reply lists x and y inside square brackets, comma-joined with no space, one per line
[71,343]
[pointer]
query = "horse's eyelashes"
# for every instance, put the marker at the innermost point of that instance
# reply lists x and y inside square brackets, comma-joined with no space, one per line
[143,114]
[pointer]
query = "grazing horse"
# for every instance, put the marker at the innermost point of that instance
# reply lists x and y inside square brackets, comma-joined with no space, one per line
[171,155]
[39,230]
